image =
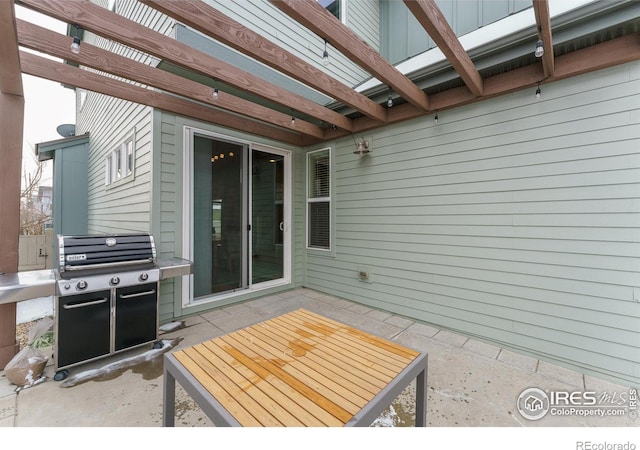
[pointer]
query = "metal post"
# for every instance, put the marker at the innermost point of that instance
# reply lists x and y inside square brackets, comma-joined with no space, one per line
[168,396]
[421,397]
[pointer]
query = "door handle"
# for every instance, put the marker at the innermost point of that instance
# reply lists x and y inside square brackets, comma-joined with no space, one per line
[281,226]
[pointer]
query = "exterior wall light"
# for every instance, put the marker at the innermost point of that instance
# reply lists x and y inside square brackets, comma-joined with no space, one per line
[362,147]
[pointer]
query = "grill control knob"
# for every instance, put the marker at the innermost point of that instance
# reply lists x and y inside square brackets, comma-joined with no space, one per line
[143,276]
[67,286]
[114,280]
[81,285]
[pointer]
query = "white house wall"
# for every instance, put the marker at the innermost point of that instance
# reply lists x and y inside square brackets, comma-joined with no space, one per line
[514,220]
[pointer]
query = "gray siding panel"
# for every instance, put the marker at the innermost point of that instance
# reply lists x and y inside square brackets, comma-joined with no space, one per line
[268,21]
[402,36]
[515,221]
[363,17]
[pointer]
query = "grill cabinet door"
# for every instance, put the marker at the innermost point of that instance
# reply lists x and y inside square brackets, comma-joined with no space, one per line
[136,315]
[83,331]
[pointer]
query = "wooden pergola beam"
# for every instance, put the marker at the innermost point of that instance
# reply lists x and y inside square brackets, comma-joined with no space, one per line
[11,131]
[211,22]
[435,24]
[58,45]
[112,26]
[10,76]
[317,19]
[543,25]
[66,74]
[600,56]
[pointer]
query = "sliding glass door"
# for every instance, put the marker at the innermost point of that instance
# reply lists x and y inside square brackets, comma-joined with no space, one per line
[267,216]
[239,226]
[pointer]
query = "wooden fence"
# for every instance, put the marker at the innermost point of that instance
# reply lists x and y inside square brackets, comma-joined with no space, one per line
[36,252]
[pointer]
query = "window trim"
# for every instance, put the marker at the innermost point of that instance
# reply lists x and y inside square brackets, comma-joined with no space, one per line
[329,199]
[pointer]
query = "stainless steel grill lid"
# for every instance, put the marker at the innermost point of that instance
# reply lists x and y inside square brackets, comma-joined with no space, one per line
[94,252]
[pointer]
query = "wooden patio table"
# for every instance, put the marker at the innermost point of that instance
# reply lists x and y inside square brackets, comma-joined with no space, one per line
[298,369]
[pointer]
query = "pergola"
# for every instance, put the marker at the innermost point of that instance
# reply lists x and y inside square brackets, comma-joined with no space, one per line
[264,110]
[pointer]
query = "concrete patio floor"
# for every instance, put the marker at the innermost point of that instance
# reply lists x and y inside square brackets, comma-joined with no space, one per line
[470,383]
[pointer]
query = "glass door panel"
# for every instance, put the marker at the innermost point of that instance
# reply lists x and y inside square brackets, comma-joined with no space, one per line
[219,222]
[267,216]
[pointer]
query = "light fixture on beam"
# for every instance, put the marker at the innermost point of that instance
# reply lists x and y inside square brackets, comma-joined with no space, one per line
[539,49]
[325,55]
[75,45]
[216,92]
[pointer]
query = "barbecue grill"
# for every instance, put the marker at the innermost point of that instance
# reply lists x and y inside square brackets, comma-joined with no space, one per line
[106,294]
[106,298]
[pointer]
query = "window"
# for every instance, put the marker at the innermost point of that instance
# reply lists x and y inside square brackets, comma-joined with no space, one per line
[128,160]
[108,170]
[319,199]
[117,158]
[119,164]
[333,6]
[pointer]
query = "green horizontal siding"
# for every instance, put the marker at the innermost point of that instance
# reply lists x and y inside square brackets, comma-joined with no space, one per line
[514,220]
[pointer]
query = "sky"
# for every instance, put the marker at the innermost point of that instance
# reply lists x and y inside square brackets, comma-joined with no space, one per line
[47,104]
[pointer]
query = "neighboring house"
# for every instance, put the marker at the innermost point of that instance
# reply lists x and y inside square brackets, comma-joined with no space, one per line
[513,220]
[43,200]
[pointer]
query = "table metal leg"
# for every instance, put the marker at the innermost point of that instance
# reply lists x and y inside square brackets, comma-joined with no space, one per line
[168,398]
[421,398]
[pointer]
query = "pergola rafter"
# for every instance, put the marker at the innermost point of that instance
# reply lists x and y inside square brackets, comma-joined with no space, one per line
[112,26]
[433,21]
[324,123]
[317,19]
[207,20]
[543,25]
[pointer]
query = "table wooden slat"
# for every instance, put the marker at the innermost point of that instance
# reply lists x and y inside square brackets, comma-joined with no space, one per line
[366,353]
[312,375]
[326,360]
[298,369]
[276,391]
[403,353]
[228,400]
[245,390]
[352,367]
[298,392]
